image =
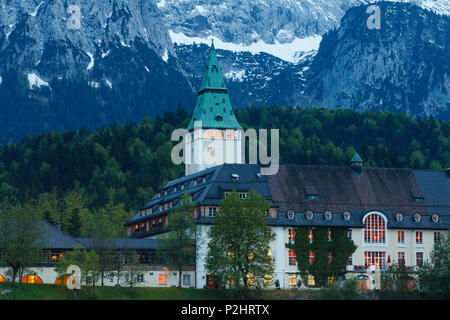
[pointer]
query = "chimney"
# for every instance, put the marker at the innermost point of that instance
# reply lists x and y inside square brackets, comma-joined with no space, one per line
[356,164]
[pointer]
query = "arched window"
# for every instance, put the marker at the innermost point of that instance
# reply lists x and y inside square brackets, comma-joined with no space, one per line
[31,278]
[374,228]
[62,280]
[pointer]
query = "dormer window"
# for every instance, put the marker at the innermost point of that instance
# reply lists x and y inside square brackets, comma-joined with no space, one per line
[309,215]
[204,179]
[311,193]
[399,217]
[243,195]
[182,187]
[195,182]
[417,195]
[234,177]
[175,189]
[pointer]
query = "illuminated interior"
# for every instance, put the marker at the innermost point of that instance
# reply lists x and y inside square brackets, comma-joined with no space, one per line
[2,279]
[31,278]
[62,280]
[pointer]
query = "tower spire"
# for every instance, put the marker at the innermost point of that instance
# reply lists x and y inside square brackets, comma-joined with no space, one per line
[213,105]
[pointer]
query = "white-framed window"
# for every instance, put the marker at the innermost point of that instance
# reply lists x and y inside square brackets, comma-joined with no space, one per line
[212,211]
[437,236]
[401,257]
[292,280]
[226,193]
[374,229]
[311,256]
[292,258]
[401,238]
[419,258]
[419,239]
[291,235]
[375,258]
[186,279]
[140,278]
[243,195]
[350,260]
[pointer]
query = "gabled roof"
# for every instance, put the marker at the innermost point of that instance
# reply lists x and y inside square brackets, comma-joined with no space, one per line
[213,106]
[53,238]
[356,158]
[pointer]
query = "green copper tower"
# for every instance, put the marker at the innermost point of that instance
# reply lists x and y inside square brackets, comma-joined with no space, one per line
[214,136]
[213,107]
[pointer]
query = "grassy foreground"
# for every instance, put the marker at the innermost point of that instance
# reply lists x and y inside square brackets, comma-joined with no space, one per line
[23,291]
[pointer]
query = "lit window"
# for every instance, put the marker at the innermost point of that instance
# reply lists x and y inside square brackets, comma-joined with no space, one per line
[311,281]
[291,235]
[310,235]
[268,279]
[311,256]
[219,134]
[437,237]
[330,257]
[292,260]
[269,257]
[2,279]
[401,257]
[329,235]
[374,229]
[375,258]
[330,280]
[209,134]
[251,279]
[419,258]
[162,280]
[31,278]
[212,211]
[292,280]
[419,237]
[401,237]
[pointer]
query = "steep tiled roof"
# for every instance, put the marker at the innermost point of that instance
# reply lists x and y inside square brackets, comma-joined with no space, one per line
[339,189]
[213,107]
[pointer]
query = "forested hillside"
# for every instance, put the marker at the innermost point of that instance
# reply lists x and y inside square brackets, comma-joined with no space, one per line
[123,165]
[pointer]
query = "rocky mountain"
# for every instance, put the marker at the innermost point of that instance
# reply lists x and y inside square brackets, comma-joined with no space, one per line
[402,67]
[64,65]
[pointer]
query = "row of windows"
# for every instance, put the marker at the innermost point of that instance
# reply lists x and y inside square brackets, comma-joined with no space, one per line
[419,237]
[311,256]
[291,235]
